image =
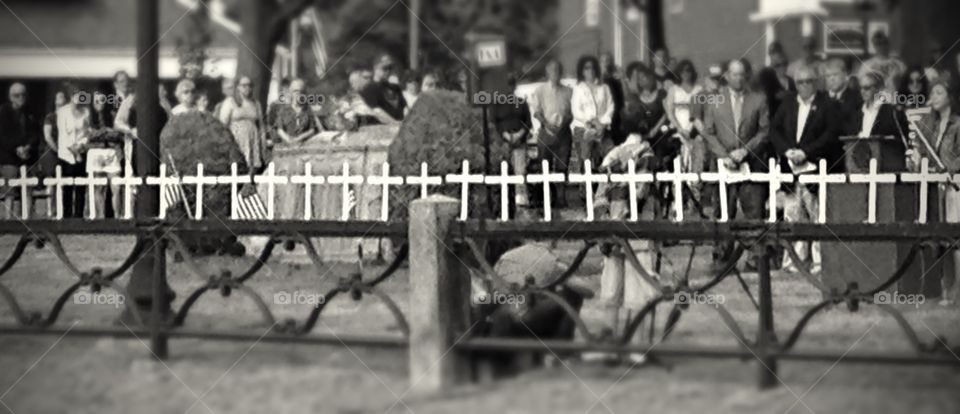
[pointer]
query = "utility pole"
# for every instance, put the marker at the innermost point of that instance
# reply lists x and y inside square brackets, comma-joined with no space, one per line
[414,40]
[149,276]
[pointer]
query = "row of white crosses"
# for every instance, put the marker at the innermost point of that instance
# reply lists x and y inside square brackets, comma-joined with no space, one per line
[465,179]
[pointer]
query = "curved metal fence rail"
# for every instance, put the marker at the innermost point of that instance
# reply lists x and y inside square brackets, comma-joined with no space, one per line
[766,347]
[159,236]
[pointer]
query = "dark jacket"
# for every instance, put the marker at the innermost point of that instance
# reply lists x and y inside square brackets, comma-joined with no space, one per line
[820,136]
[890,122]
[17,128]
[850,103]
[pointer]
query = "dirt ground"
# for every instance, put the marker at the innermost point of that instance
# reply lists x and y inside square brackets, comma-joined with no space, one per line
[50,374]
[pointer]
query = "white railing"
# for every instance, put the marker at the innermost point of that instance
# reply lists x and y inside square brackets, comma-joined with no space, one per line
[268,181]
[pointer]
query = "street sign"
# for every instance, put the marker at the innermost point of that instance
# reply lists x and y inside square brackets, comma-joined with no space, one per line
[491,53]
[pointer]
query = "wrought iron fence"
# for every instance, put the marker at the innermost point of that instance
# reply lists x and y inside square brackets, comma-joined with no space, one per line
[157,236]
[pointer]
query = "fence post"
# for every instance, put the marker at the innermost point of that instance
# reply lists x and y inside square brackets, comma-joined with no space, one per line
[766,336]
[439,298]
[159,300]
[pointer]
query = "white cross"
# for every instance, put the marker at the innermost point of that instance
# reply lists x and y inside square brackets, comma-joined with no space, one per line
[424,180]
[234,180]
[722,177]
[163,181]
[504,180]
[465,179]
[822,179]
[384,180]
[678,177]
[546,177]
[775,178]
[588,178]
[57,182]
[199,180]
[129,182]
[924,177]
[873,178]
[271,180]
[308,180]
[632,178]
[91,182]
[345,180]
[24,183]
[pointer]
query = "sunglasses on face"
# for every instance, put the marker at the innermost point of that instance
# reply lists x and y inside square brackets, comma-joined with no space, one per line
[17,95]
[804,81]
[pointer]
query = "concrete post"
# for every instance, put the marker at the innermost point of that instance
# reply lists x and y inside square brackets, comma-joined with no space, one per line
[439,312]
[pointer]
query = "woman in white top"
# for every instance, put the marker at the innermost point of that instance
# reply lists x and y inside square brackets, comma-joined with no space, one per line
[679,106]
[592,106]
[73,129]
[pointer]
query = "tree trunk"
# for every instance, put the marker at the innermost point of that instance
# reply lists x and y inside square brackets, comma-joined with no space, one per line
[256,52]
[656,29]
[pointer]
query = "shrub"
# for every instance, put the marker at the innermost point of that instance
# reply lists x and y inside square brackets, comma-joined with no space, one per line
[196,137]
[442,130]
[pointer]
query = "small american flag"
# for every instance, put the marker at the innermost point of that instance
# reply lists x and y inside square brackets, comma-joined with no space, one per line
[250,206]
[173,193]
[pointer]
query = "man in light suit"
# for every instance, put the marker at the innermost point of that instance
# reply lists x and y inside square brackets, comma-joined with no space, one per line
[735,130]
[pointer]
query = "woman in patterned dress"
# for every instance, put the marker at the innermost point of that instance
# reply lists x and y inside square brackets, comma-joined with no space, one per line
[244,117]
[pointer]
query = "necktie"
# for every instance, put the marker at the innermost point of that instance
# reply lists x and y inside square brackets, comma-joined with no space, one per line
[737,111]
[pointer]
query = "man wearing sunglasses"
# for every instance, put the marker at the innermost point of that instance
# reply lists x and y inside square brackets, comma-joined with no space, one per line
[805,129]
[19,134]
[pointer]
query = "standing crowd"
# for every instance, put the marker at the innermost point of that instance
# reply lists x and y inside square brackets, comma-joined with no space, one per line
[91,132]
[736,118]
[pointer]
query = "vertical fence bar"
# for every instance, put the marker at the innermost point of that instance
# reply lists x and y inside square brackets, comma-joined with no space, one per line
[234,191]
[58,192]
[766,337]
[198,203]
[307,192]
[91,196]
[25,201]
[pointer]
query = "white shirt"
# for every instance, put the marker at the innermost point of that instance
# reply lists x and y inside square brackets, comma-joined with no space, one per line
[71,129]
[591,102]
[182,109]
[838,94]
[869,117]
[802,114]
[682,103]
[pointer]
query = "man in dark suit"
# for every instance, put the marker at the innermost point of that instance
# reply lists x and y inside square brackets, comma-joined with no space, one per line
[804,130]
[735,130]
[839,90]
[878,117]
[19,139]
